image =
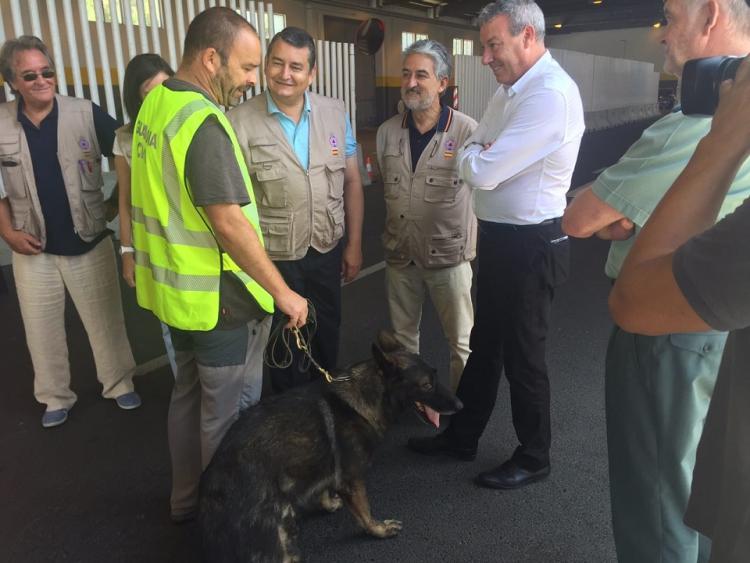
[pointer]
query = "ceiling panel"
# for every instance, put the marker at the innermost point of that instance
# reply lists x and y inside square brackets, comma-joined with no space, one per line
[574,15]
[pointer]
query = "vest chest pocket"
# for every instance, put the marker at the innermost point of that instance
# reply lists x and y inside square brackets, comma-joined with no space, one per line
[441,189]
[392,158]
[277,228]
[270,185]
[270,175]
[335,176]
[393,149]
[391,185]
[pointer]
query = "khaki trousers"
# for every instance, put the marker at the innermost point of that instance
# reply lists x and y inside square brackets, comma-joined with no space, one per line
[450,291]
[218,374]
[92,282]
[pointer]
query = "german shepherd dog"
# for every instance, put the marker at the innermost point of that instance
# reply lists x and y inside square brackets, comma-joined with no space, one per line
[309,448]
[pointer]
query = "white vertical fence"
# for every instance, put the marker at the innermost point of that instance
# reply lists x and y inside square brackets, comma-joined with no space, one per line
[336,77]
[96,52]
[476,85]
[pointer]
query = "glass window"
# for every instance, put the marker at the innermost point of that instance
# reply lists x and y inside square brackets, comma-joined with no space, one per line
[106,8]
[408,37]
[279,22]
[463,46]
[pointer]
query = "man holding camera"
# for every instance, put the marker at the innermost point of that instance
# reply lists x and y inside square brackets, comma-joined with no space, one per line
[683,274]
[658,387]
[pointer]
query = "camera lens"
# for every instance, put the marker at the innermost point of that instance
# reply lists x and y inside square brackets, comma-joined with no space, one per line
[728,68]
[701,79]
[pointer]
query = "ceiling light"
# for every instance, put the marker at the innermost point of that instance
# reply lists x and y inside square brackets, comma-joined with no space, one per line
[557,26]
[596,2]
[657,25]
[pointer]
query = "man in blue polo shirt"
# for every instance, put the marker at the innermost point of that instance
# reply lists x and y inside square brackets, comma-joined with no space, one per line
[52,217]
[301,155]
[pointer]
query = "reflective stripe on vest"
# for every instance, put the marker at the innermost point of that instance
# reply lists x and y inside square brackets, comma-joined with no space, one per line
[178,259]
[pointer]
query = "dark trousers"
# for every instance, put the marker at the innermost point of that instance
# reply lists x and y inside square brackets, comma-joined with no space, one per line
[518,269]
[318,278]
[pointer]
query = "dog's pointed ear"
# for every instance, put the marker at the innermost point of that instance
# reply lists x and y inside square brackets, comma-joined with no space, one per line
[383,349]
[387,341]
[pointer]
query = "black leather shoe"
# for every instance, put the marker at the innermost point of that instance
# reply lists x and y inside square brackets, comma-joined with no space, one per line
[442,445]
[510,476]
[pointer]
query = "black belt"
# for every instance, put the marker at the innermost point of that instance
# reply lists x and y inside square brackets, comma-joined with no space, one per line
[511,227]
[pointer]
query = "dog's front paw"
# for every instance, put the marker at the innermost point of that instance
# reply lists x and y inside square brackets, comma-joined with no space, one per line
[386,528]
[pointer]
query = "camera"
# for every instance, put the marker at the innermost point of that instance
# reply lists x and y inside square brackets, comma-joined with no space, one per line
[701,79]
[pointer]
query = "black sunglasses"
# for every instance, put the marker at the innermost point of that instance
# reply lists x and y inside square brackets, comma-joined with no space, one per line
[31,76]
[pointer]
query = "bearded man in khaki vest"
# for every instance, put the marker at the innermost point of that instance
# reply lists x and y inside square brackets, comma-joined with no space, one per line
[430,229]
[52,218]
[302,158]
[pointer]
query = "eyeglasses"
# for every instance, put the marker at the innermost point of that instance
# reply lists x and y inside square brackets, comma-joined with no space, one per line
[31,76]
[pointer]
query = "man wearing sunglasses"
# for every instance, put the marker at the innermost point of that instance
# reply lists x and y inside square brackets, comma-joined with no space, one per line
[52,217]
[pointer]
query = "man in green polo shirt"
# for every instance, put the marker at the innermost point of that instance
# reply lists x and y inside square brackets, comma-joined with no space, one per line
[658,387]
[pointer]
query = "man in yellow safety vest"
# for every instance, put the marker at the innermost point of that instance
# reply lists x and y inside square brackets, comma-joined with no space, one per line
[200,263]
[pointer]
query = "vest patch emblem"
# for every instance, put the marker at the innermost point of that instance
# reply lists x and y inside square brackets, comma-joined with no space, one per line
[85,145]
[334,145]
[450,149]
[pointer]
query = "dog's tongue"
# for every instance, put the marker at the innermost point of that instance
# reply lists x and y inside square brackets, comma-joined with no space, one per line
[432,416]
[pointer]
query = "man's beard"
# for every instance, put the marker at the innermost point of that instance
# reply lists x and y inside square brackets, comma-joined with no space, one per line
[417,103]
[225,88]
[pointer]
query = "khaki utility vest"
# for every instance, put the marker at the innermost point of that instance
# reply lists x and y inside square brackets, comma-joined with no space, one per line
[429,217]
[298,208]
[80,161]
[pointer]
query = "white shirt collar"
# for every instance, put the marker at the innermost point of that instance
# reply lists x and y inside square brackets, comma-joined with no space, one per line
[521,84]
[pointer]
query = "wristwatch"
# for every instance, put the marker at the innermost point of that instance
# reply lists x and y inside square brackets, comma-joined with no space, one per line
[126,249]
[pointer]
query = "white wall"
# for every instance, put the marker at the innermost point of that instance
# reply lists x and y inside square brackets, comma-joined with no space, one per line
[605,83]
[608,82]
[638,44]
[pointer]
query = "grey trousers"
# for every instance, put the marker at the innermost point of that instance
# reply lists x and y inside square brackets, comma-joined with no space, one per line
[657,391]
[218,374]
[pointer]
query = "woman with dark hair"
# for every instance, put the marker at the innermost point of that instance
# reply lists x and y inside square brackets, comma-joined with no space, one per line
[143,73]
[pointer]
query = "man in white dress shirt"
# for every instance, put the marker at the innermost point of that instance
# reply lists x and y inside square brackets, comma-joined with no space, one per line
[519,163]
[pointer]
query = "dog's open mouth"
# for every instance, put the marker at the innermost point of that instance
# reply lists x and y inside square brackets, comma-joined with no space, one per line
[427,414]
